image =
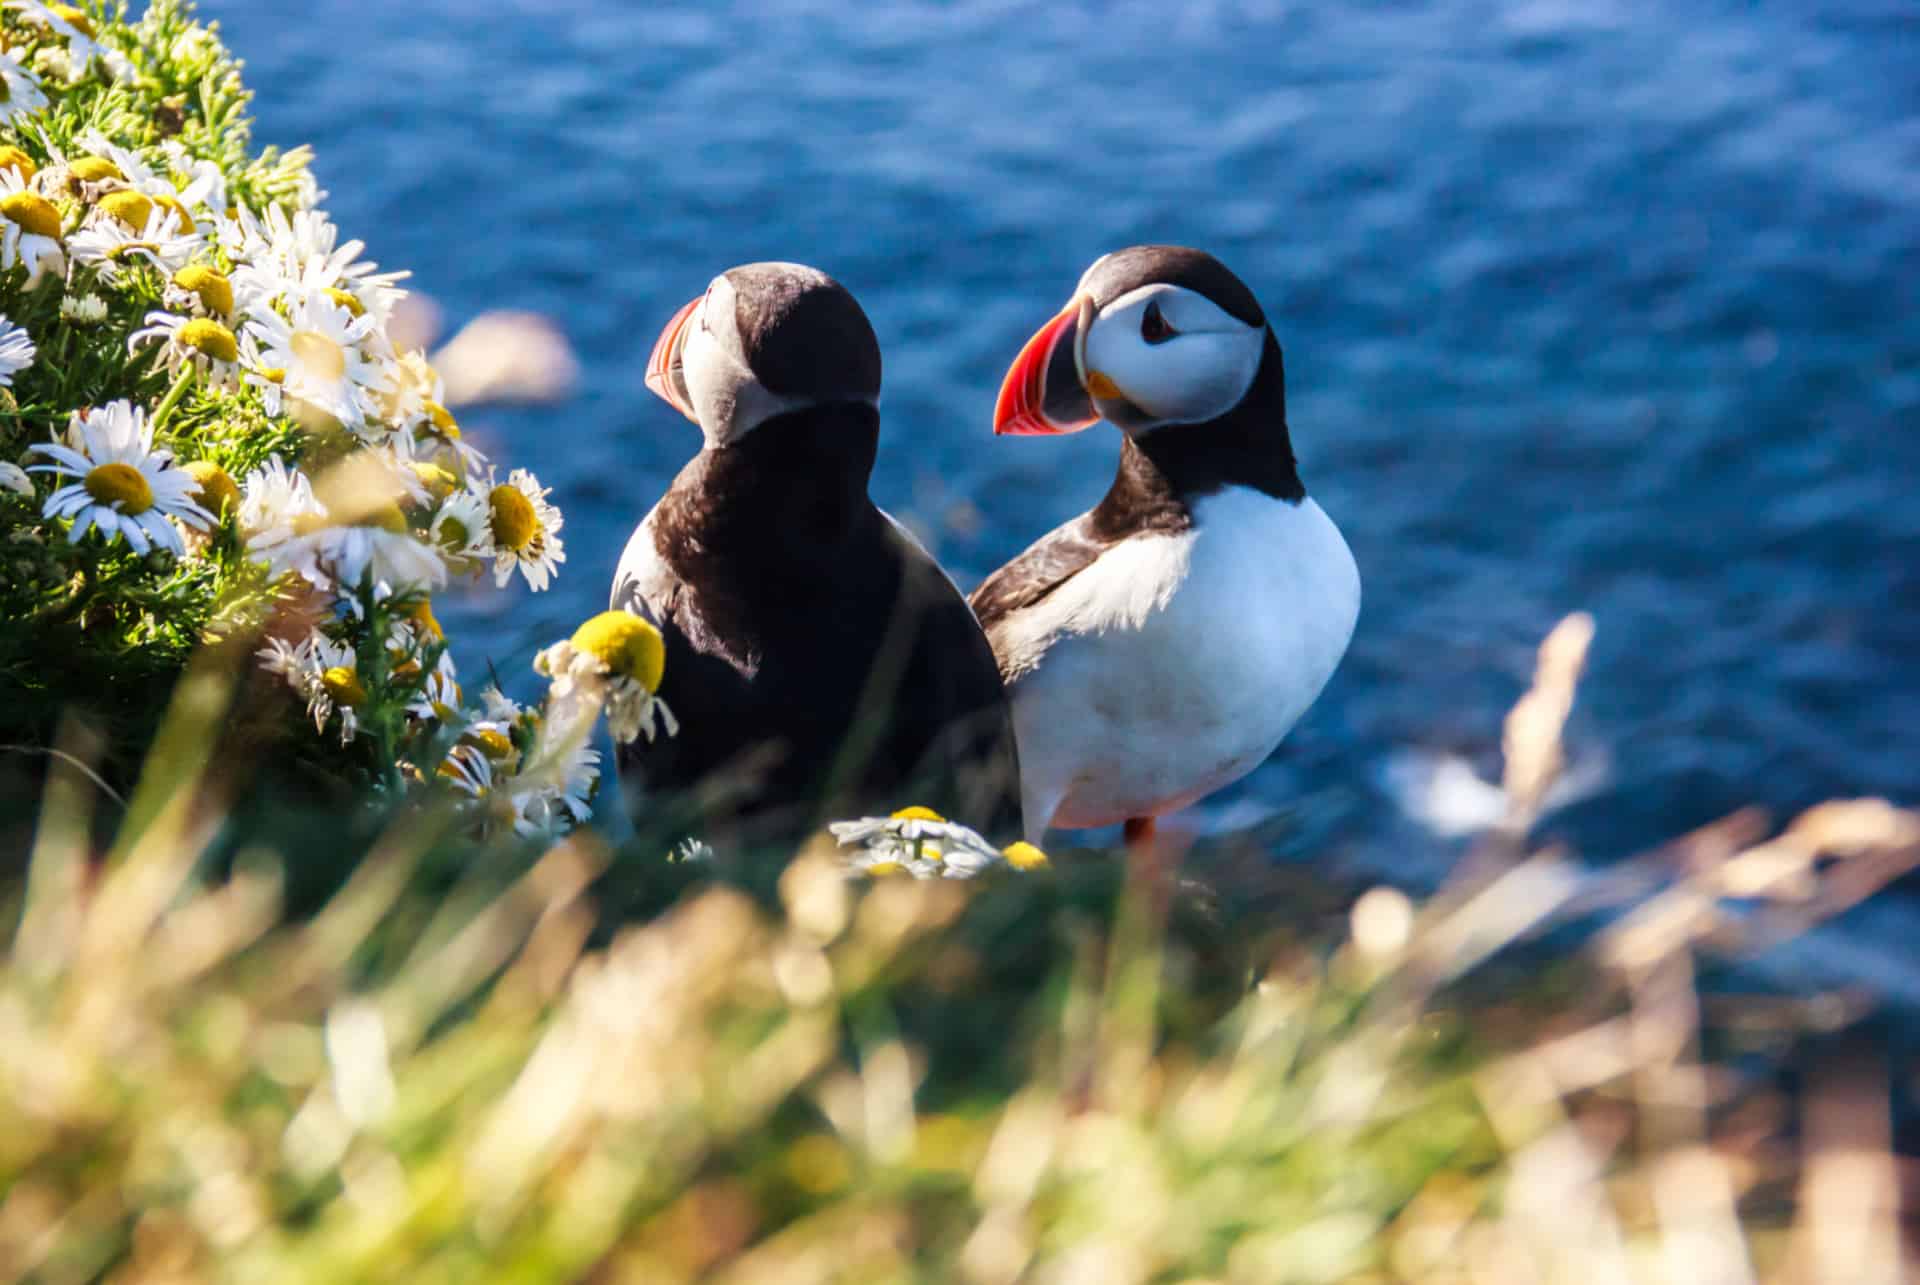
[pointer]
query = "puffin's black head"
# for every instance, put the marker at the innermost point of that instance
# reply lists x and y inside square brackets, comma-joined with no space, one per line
[1154,335]
[766,338]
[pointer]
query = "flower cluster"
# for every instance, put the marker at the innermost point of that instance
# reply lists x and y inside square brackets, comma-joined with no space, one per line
[208,432]
[920,842]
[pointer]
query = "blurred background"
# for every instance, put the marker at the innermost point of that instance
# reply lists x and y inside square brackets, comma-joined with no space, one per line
[1585,305]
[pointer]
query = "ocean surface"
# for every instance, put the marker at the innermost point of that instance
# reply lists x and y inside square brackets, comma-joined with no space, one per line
[1586,305]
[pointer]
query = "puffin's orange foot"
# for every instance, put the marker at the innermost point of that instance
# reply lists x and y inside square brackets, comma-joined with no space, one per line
[1151,870]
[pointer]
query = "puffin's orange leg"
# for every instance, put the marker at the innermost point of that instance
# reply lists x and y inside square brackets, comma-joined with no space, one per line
[1147,857]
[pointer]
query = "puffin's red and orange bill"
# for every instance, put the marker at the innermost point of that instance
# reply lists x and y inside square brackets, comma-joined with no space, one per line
[1041,394]
[663,365]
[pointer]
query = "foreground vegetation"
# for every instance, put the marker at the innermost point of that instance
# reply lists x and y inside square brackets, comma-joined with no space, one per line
[478,1062]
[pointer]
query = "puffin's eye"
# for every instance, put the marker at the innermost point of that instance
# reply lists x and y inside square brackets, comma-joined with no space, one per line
[1153,327]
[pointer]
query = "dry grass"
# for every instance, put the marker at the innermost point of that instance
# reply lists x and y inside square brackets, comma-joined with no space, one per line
[193,1086]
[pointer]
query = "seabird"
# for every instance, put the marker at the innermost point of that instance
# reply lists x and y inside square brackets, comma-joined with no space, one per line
[1160,645]
[820,663]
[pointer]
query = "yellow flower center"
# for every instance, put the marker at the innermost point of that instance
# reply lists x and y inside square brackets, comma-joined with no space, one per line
[94,169]
[122,482]
[514,521]
[443,421]
[214,291]
[880,869]
[273,374]
[625,644]
[346,301]
[320,354]
[210,338]
[217,492]
[33,214]
[344,686]
[454,535]
[439,482]
[1024,856]
[917,813]
[309,522]
[494,743]
[12,158]
[173,204]
[421,613]
[76,18]
[387,517]
[131,208]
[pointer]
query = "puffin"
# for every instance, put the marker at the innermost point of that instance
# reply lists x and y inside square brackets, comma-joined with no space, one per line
[1159,646]
[819,662]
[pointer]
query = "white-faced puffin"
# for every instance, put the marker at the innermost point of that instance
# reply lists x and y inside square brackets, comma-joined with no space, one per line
[1159,646]
[820,663]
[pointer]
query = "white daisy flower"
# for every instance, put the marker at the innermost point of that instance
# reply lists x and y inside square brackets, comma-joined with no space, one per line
[19,91]
[200,290]
[69,25]
[16,351]
[920,842]
[297,256]
[109,240]
[349,556]
[320,350]
[439,696]
[555,792]
[271,381]
[14,478]
[277,506]
[525,529]
[200,342]
[206,186]
[124,486]
[326,676]
[462,532]
[29,229]
[468,769]
[83,309]
[615,661]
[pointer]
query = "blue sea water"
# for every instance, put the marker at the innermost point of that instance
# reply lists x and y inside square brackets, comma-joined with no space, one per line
[1586,305]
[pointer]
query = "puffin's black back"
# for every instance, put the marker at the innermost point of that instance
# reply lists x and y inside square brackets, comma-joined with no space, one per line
[819,663]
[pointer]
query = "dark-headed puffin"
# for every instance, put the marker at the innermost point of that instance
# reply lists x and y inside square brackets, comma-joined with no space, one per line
[1159,646]
[820,663]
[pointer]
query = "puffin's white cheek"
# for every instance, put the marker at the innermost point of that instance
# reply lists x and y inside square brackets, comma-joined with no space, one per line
[1186,380]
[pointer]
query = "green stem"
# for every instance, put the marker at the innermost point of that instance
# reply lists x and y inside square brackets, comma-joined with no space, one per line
[172,399]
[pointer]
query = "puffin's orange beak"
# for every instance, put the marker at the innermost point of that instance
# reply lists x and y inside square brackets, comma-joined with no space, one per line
[1042,393]
[663,366]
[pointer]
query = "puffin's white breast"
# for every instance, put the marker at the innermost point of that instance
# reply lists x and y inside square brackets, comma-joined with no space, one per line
[1175,663]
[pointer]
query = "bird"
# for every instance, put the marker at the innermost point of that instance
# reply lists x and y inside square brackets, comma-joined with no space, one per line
[818,660]
[1159,646]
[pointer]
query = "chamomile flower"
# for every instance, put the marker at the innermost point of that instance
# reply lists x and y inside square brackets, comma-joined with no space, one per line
[127,226]
[19,91]
[325,674]
[203,179]
[16,351]
[461,530]
[525,529]
[555,793]
[298,256]
[200,290]
[123,485]
[69,25]
[924,844]
[14,478]
[468,769]
[439,696]
[29,229]
[320,351]
[277,505]
[616,660]
[202,343]
[83,309]
[378,550]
